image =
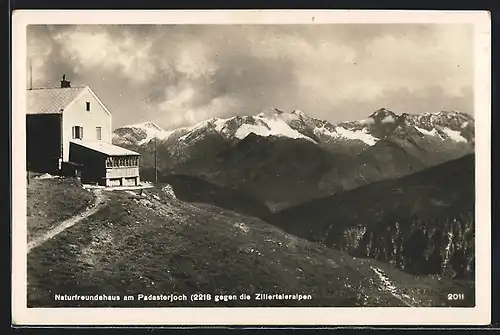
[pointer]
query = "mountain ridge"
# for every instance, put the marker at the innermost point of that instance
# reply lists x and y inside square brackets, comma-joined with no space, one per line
[309,128]
[303,156]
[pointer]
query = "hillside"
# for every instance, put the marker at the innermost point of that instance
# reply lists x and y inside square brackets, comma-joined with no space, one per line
[192,189]
[51,200]
[422,223]
[284,159]
[274,170]
[156,244]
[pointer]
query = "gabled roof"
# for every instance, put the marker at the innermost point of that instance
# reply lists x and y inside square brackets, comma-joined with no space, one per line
[105,148]
[51,100]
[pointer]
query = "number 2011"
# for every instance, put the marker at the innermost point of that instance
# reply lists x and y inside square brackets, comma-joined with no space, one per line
[456,296]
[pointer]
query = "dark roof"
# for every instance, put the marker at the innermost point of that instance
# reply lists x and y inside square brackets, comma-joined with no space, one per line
[51,100]
[105,148]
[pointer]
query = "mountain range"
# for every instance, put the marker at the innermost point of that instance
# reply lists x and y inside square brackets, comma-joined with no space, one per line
[284,159]
[398,188]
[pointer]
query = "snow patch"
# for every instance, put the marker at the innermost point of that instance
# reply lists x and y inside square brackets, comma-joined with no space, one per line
[326,131]
[454,135]
[198,126]
[432,132]
[298,112]
[151,129]
[276,126]
[388,119]
[361,135]
[465,124]
[246,129]
[288,117]
[261,115]
[219,125]
[279,127]
[145,125]
[369,120]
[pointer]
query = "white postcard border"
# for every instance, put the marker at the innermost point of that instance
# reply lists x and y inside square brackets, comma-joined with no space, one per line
[480,315]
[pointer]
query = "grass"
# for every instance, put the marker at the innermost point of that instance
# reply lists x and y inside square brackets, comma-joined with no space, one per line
[50,201]
[159,245]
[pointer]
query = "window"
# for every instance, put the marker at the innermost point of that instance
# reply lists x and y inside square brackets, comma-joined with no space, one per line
[87,105]
[99,133]
[77,132]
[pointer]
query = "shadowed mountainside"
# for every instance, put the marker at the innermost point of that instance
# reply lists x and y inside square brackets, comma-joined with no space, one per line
[422,223]
[193,189]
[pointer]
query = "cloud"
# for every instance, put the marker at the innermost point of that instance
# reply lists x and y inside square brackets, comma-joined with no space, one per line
[178,75]
[89,50]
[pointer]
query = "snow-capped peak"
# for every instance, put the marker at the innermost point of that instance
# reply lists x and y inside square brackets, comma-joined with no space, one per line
[269,122]
[298,112]
[275,125]
[296,124]
[382,114]
[148,125]
[150,129]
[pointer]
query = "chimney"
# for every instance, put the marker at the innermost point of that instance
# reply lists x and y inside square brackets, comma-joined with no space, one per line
[64,82]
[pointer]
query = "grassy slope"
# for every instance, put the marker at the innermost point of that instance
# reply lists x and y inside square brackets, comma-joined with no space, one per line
[50,201]
[158,245]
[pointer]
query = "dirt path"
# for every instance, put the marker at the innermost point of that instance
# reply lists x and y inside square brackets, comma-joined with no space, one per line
[391,288]
[98,202]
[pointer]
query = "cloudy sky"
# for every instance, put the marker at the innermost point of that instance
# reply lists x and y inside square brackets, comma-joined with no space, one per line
[179,75]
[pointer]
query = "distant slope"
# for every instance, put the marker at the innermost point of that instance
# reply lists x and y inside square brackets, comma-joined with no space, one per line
[193,189]
[274,170]
[155,244]
[422,223]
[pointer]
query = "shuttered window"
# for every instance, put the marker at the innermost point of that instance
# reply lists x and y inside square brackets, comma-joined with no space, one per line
[98,133]
[77,132]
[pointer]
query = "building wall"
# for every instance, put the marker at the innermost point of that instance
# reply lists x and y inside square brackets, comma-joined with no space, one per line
[43,142]
[76,114]
[94,164]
